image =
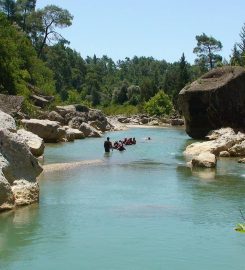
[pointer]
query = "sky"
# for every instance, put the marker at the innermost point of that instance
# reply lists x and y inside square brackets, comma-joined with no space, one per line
[163,29]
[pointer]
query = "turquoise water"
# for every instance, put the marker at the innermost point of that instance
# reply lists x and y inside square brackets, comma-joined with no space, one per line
[139,210]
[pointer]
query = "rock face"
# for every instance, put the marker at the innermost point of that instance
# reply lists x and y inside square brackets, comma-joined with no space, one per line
[18,170]
[50,131]
[204,160]
[25,193]
[35,143]
[11,104]
[21,163]
[6,194]
[224,142]
[215,100]
[7,122]
[89,131]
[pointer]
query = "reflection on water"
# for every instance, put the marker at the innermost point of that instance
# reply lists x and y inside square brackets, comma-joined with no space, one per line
[141,209]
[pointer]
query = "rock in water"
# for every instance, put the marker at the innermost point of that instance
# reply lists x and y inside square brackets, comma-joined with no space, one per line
[215,100]
[204,160]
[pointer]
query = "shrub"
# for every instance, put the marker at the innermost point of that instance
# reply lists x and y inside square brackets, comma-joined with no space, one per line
[159,105]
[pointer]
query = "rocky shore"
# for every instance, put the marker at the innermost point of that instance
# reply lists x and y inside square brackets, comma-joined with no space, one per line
[21,148]
[221,143]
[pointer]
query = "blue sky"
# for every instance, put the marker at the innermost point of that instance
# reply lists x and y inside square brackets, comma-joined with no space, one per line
[163,29]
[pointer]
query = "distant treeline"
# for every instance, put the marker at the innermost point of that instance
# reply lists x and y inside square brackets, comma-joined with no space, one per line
[35,57]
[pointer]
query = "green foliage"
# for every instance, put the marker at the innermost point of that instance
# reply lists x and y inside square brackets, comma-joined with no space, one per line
[159,105]
[240,227]
[206,48]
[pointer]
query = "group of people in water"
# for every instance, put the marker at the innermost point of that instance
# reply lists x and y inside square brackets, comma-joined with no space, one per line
[118,145]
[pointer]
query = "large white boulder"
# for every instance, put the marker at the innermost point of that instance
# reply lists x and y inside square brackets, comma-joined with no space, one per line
[6,194]
[50,131]
[35,143]
[89,131]
[7,121]
[238,150]
[204,160]
[75,133]
[25,193]
[222,140]
[21,163]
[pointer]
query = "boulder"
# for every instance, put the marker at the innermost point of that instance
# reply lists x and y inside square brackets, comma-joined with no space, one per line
[177,122]
[54,116]
[35,143]
[89,131]
[76,133]
[63,110]
[224,154]
[242,160]
[204,160]
[6,194]
[7,121]
[224,142]
[39,101]
[11,104]
[21,163]
[25,193]
[50,131]
[215,100]
[75,121]
[99,125]
[238,150]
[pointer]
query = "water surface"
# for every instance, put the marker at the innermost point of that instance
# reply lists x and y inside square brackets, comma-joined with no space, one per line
[141,209]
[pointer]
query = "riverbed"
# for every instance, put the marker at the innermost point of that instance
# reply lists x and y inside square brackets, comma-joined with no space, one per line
[139,209]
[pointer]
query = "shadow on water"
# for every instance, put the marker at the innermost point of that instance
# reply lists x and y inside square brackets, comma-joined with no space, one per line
[16,231]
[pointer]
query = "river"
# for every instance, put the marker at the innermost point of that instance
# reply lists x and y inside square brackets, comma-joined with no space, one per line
[141,209]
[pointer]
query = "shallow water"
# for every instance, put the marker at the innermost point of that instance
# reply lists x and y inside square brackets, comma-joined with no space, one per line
[141,209]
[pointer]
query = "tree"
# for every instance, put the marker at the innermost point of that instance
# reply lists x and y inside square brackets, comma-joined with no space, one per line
[8,7]
[236,57]
[159,105]
[24,8]
[52,17]
[206,48]
[241,44]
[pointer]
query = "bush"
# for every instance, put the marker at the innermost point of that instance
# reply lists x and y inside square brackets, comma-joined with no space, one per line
[159,105]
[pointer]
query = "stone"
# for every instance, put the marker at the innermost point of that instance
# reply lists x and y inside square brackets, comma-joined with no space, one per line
[11,104]
[99,125]
[224,142]
[224,154]
[49,131]
[76,121]
[204,160]
[215,100]
[35,143]
[89,131]
[39,101]
[25,193]
[7,121]
[75,132]
[63,110]
[177,122]
[21,163]
[54,116]
[6,194]
[242,160]
[238,150]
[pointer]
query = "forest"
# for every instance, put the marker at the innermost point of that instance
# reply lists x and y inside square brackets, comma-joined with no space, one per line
[36,58]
